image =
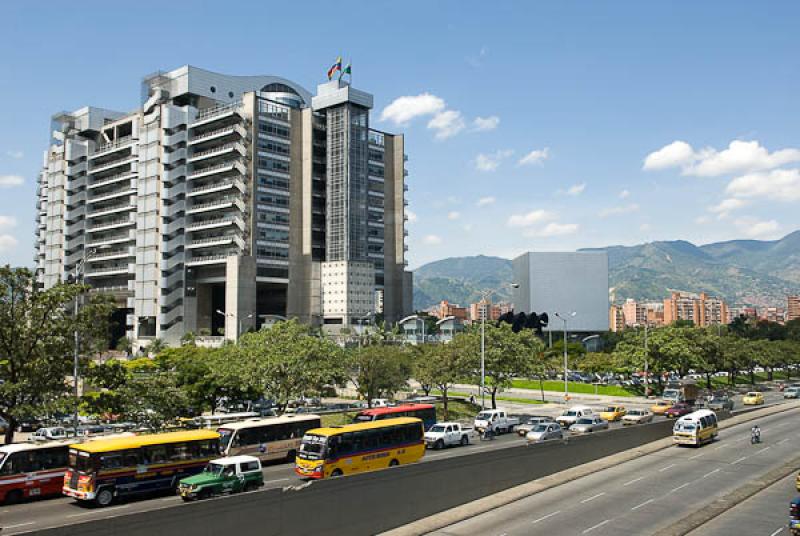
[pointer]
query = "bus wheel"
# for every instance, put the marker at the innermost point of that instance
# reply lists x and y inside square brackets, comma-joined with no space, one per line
[394,463]
[14,496]
[104,497]
[336,472]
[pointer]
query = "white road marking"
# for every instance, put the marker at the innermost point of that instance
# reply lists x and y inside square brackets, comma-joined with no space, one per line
[103,511]
[593,497]
[680,487]
[717,470]
[740,460]
[697,456]
[551,514]
[634,480]
[596,526]
[722,447]
[19,525]
[782,441]
[645,503]
[276,480]
[762,450]
[670,466]
[777,532]
[169,498]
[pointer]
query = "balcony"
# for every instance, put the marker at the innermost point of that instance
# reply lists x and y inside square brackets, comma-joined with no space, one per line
[216,113]
[215,223]
[210,259]
[215,241]
[112,289]
[119,177]
[113,239]
[111,269]
[108,225]
[99,197]
[224,203]
[114,209]
[218,133]
[217,169]
[218,151]
[217,187]
[109,254]
[107,166]
[109,148]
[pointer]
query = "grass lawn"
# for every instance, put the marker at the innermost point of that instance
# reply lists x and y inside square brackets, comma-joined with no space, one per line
[576,387]
[500,398]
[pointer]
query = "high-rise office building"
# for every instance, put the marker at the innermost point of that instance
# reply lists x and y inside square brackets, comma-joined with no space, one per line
[225,200]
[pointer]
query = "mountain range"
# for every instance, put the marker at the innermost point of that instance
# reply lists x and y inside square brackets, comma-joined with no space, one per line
[743,272]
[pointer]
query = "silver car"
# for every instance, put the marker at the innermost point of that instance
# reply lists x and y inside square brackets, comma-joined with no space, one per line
[586,425]
[791,392]
[637,416]
[544,431]
[531,423]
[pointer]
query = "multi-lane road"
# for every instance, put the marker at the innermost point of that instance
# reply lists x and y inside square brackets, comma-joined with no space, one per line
[37,515]
[650,493]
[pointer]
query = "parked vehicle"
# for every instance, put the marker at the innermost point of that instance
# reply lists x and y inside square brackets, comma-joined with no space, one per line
[223,475]
[381,403]
[719,403]
[54,433]
[497,420]
[273,438]
[425,412]
[447,434]
[589,424]
[613,413]
[753,398]
[696,428]
[530,423]
[683,390]
[678,410]
[791,392]
[660,407]
[637,416]
[545,431]
[31,470]
[571,415]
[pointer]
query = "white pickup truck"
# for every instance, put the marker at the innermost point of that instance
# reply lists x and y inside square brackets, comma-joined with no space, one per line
[446,434]
[499,420]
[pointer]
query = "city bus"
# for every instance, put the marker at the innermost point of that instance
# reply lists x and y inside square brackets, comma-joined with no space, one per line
[425,412]
[212,422]
[696,428]
[357,448]
[105,469]
[30,470]
[272,438]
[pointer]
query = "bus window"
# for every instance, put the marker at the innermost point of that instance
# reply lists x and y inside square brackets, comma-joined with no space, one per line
[155,454]
[345,444]
[111,460]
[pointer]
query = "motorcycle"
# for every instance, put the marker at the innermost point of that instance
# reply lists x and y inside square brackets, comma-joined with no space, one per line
[755,437]
[486,433]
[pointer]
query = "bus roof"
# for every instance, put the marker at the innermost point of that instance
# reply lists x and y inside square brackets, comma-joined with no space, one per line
[395,409]
[336,430]
[250,423]
[119,443]
[19,447]
[700,413]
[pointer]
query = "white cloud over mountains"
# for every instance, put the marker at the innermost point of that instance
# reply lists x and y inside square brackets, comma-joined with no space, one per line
[445,122]
[775,185]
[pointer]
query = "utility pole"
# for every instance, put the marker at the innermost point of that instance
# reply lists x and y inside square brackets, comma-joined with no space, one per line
[646,355]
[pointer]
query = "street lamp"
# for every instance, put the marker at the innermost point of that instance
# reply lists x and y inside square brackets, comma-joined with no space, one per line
[564,318]
[485,295]
[231,315]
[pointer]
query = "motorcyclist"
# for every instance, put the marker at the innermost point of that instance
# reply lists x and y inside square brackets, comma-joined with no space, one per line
[755,434]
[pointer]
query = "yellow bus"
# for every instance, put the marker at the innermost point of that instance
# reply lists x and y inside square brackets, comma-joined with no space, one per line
[272,438]
[105,469]
[356,448]
[696,428]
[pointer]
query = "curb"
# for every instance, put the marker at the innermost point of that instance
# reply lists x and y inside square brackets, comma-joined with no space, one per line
[480,506]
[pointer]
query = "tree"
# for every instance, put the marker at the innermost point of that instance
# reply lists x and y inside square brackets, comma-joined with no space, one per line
[155,347]
[203,374]
[439,365]
[508,355]
[37,341]
[379,369]
[153,400]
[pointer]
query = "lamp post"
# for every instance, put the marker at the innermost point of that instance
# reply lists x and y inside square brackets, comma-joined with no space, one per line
[485,295]
[646,374]
[231,315]
[564,319]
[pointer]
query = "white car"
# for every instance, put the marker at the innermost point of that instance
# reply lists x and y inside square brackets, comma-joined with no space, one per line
[445,434]
[571,416]
[381,403]
[544,431]
[51,434]
[498,419]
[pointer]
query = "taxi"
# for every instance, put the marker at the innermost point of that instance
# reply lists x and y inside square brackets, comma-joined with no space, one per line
[660,407]
[613,413]
[753,398]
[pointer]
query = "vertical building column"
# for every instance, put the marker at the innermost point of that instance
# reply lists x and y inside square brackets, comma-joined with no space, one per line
[240,295]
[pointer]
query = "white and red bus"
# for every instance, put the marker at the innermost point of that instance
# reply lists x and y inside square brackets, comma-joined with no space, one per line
[424,412]
[32,470]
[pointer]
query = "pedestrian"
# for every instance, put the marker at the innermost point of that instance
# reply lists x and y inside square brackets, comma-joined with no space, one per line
[471,399]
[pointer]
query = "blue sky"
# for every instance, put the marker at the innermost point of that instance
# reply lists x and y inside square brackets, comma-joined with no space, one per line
[530,125]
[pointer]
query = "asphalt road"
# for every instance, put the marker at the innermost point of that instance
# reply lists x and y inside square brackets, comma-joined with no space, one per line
[646,494]
[763,514]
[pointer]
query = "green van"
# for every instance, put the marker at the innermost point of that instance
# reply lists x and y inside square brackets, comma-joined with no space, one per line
[224,475]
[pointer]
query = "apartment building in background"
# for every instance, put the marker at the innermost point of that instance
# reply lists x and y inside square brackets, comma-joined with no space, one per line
[702,309]
[224,200]
[773,314]
[616,318]
[446,309]
[636,313]
[792,308]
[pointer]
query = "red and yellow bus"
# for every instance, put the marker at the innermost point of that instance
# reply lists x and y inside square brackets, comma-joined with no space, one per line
[104,469]
[357,448]
[32,470]
[424,412]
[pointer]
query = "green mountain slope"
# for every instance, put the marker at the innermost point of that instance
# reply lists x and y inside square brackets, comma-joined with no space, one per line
[747,272]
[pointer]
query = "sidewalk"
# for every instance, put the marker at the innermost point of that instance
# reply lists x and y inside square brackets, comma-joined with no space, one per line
[558,398]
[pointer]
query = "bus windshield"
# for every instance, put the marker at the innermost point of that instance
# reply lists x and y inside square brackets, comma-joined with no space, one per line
[363,417]
[313,447]
[685,427]
[80,461]
[225,436]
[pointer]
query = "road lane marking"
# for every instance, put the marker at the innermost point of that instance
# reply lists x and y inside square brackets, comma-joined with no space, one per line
[593,497]
[634,480]
[276,480]
[19,525]
[777,532]
[596,526]
[697,456]
[680,487]
[762,450]
[670,466]
[551,514]
[717,470]
[645,503]
[721,447]
[740,460]
[103,511]
[784,440]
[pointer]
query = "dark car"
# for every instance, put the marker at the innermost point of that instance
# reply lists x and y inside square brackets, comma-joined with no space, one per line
[678,410]
[719,403]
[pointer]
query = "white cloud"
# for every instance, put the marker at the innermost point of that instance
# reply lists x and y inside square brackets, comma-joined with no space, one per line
[754,228]
[530,219]
[412,216]
[576,189]
[490,162]
[446,124]
[485,201]
[677,153]
[739,157]
[624,194]
[403,109]
[537,156]
[553,229]
[432,240]
[15,154]
[7,242]
[9,181]
[777,185]
[613,211]
[726,206]
[453,215]
[7,221]
[485,123]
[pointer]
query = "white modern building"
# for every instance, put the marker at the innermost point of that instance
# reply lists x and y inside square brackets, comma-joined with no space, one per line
[564,283]
[224,200]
